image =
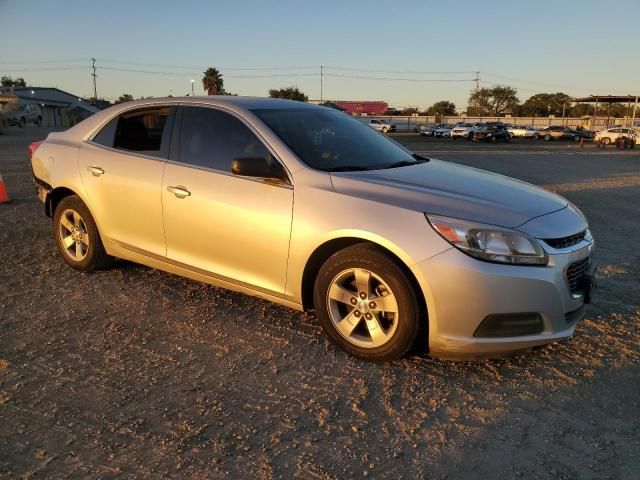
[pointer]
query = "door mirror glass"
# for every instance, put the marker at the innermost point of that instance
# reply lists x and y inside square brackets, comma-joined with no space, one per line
[257,167]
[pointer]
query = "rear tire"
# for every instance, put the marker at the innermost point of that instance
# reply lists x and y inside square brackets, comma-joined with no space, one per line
[22,123]
[77,238]
[366,304]
[605,141]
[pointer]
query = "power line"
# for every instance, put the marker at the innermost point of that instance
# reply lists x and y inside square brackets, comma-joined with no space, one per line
[397,79]
[183,74]
[39,62]
[47,69]
[202,67]
[414,72]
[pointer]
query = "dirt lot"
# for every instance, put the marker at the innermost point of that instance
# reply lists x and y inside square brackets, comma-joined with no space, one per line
[132,372]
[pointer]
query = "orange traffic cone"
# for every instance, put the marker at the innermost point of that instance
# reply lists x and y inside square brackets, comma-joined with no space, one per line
[4,196]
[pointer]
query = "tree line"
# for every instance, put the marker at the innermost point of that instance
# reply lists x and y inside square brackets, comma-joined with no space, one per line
[496,101]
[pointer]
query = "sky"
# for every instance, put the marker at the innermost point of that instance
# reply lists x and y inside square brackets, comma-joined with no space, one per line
[369,50]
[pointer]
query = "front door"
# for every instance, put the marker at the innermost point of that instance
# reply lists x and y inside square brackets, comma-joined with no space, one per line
[236,228]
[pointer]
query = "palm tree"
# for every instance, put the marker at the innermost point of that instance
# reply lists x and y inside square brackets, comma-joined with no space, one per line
[212,82]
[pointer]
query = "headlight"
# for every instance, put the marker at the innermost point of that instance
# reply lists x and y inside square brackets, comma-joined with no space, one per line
[488,242]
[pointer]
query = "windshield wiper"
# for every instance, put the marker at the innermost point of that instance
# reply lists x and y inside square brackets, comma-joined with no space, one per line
[420,157]
[346,168]
[408,163]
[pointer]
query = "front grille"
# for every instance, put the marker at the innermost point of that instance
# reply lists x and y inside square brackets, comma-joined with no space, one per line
[566,242]
[574,274]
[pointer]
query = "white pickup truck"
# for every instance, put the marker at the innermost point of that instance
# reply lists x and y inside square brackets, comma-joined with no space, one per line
[381,125]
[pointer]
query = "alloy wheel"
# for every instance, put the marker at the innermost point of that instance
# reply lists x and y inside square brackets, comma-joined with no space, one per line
[73,235]
[362,307]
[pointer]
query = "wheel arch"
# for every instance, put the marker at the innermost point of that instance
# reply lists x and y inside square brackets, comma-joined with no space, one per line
[55,197]
[322,253]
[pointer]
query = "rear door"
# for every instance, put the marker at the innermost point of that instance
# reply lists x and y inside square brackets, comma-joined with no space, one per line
[235,228]
[121,169]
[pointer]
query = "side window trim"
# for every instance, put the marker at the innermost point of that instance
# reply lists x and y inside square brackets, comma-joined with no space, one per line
[175,139]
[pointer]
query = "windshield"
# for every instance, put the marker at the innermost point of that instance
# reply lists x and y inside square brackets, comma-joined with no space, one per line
[329,140]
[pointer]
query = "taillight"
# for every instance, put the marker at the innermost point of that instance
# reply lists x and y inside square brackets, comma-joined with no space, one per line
[33,147]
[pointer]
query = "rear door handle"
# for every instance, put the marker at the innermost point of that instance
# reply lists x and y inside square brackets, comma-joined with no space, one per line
[179,191]
[96,171]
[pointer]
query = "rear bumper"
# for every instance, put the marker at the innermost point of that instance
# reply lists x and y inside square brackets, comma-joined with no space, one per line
[461,292]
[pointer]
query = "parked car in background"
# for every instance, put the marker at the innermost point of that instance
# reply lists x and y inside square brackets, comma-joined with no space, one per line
[493,134]
[421,127]
[429,130]
[414,251]
[381,125]
[526,131]
[443,131]
[20,114]
[466,130]
[461,130]
[610,135]
[559,132]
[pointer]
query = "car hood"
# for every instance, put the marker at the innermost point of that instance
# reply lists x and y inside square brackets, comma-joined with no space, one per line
[444,188]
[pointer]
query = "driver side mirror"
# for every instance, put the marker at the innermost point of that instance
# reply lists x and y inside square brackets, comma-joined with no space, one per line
[258,167]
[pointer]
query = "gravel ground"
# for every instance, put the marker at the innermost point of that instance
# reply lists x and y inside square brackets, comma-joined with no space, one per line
[133,372]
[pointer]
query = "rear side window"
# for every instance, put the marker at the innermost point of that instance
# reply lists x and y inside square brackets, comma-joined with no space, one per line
[141,131]
[213,139]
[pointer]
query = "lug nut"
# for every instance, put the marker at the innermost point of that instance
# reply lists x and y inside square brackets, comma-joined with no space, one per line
[363,295]
[372,305]
[368,316]
[357,313]
[354,301]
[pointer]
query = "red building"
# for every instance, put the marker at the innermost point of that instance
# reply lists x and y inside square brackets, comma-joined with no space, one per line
[358,108]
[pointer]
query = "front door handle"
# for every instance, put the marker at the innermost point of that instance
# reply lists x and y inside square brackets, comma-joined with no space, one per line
[179,191]
[96,171]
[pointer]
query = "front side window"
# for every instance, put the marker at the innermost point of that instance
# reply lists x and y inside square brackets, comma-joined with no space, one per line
[213,139]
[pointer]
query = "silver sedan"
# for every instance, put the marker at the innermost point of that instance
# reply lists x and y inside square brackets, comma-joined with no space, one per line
[304,206]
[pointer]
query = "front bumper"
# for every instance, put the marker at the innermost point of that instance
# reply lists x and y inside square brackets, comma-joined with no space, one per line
[462,291]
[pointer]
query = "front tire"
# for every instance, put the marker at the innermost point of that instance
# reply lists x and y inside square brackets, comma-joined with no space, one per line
[606,141]
[547,138]
[77,237]
[366,304]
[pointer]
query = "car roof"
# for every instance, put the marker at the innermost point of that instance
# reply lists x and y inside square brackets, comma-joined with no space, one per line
[238,104]
[246,103]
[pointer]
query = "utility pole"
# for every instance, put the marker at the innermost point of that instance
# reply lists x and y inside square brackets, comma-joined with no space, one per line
[477,80]
[321,86]
[95,90]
